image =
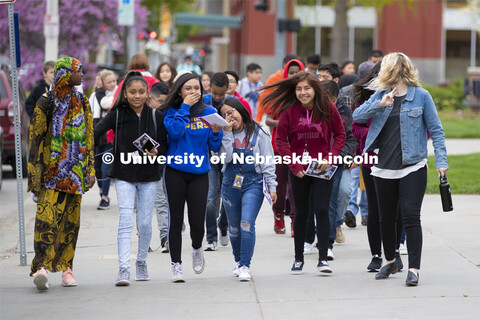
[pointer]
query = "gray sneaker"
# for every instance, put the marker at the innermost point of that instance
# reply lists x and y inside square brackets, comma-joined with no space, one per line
[142,272]
[123,278]
[177,272]
[198,261]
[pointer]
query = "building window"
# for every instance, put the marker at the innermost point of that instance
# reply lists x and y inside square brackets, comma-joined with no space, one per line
[363,44]
[457,53]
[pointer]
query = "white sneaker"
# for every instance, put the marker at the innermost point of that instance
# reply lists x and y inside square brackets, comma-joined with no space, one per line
[177,272]
[223,239]
[198,261]
[307,248]
[236,269]
[211,246]
[403,249]
[244,274]
[330,255]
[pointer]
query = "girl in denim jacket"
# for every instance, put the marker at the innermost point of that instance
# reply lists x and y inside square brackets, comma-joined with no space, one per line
[401,113]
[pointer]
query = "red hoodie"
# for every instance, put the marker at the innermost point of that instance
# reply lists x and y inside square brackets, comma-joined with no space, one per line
[275,116]
[294,129]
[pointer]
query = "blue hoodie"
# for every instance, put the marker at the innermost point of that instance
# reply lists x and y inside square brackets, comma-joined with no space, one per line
[190,136]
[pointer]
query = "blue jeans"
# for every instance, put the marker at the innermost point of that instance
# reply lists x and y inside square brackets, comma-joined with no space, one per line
[161,207]
[332,210]
[352,204]
[104,183]
[213,202]
[126,194]
[242,207]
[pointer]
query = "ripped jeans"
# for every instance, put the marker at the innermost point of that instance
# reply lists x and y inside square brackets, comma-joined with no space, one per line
[242,207]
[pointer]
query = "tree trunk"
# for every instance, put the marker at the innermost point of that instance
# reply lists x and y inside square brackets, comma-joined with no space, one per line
[340,33]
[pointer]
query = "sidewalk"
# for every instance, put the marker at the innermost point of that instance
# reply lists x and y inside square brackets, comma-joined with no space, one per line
[449,280]
[458,146]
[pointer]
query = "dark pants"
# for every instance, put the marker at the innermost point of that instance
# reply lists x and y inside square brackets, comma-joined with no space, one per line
[282,172]
[181,187]
[301,194]
[406,196]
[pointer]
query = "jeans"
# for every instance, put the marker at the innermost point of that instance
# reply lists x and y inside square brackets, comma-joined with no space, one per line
[102,179]
[242,207]
[161,207]
[126,194]
[213,202]
[363,204]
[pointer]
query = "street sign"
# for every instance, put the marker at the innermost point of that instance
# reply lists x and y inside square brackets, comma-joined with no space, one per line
[126,12]
[51,25]
[6,1]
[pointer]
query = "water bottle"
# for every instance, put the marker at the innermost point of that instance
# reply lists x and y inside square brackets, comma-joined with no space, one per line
[445,194]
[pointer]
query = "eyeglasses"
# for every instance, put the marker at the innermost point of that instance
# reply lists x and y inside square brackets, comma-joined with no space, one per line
[232,81]
[229,113]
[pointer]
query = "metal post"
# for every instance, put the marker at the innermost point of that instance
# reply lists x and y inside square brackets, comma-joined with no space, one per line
[51,38]
[280,37]
[473,47]
[351,43]
[18,151]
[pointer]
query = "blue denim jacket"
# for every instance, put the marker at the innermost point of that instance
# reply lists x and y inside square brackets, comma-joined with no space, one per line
[417,115]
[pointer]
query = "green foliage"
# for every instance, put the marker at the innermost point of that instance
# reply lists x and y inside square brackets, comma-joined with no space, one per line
[155,7]
[449,97]
[462,174]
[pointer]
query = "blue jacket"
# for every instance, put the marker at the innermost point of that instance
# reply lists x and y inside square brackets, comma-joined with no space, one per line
[190,136]
[417,115]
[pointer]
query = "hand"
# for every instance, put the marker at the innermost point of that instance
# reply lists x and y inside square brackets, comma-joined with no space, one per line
[442,172]
[215,128]
[90,181]
[230,125]
[300,174]
[274,197]
[192,98]
[152,152]
[387,99]
[323,165]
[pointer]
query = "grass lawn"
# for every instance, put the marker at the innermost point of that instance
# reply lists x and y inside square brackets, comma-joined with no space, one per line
[460,124]
[463,174]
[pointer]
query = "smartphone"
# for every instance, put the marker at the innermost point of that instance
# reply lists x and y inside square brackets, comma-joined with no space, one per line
[148,145]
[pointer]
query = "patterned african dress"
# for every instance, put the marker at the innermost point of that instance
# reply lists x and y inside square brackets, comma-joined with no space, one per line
[57,220]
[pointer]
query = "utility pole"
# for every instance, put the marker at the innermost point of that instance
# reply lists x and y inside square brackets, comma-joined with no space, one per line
[51,30]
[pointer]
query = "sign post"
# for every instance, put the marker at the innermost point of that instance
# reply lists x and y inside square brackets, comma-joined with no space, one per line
[14,61]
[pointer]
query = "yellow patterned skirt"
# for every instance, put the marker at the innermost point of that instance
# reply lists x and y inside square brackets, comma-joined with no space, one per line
[57,223]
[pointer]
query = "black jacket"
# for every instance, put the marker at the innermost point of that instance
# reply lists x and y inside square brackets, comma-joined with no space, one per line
[346,115]
[36,93]
[130,127]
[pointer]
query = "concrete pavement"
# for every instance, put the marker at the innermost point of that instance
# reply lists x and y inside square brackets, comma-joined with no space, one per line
[449,279]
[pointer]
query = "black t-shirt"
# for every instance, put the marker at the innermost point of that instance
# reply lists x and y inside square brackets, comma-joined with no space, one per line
[389,142]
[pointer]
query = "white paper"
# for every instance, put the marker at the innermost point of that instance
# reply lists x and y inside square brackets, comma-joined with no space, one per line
[140,141]
[314,172]
[266,192]
[214,118]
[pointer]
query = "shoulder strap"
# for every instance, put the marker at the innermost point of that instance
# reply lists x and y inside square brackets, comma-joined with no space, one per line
[116,128]
[154,123]
[255,136]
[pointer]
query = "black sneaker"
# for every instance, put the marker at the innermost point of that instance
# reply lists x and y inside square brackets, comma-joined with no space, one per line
[323,267]
[398,260]
[364,220]
[297,267]
[375,264]
[104,205]
[350,220]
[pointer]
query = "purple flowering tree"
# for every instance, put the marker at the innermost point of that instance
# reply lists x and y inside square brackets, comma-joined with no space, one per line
[82,32]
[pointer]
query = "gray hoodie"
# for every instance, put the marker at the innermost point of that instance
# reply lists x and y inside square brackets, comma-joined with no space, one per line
[263,147]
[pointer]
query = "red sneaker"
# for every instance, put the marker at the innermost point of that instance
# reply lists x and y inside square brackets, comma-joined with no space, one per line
[279,224]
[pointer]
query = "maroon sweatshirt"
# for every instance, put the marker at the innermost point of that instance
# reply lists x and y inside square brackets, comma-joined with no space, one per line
[293,129]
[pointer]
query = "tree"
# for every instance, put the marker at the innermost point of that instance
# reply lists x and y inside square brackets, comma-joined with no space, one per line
[84,26]
[340,29]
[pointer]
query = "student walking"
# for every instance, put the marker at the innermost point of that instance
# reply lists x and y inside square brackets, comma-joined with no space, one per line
[401,113]
[309,124]
[249,85]
[136,184]
[242,185]
[60,171]
[184,180]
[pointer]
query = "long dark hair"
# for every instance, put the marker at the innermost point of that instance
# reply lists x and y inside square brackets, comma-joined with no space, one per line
[283,95]
[129,78]
[250,124]
[174,99]
[360,90]
[172,70]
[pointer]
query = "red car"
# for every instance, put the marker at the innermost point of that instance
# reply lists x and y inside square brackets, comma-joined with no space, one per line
[6,122]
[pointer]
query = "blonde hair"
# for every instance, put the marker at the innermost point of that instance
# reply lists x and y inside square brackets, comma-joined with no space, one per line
[106,73]
[396,67]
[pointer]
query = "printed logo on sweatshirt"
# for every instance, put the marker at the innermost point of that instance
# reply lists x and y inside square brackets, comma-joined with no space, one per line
[195,123]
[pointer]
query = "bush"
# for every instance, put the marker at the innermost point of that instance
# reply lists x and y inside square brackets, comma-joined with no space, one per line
[448,97]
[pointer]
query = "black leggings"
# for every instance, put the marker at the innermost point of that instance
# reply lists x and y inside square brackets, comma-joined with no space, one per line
[406,196]
[321,189]
[181,186]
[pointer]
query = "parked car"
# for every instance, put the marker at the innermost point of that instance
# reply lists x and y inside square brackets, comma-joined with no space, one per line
[7,124]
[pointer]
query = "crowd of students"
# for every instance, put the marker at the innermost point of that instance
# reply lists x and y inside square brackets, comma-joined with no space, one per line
[309,112]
